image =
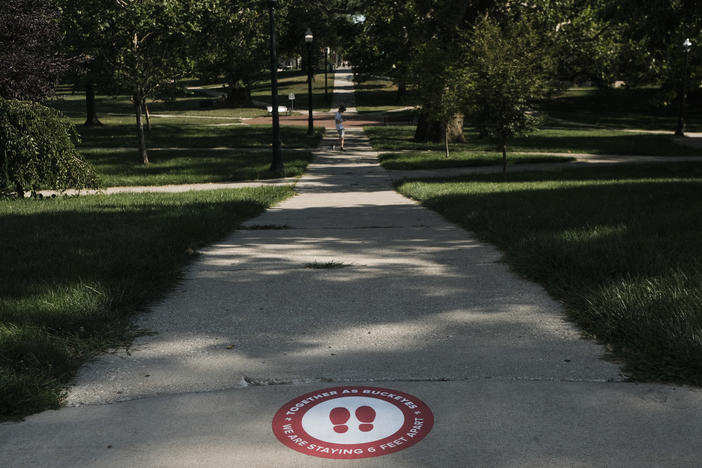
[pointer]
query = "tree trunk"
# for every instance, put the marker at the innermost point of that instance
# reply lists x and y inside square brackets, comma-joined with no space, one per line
[429,130]
[143,155]
[446,136]
[401,92]
[504,159]
[147,114]
[91,119]
[238,96]
[455,129]
[20,190]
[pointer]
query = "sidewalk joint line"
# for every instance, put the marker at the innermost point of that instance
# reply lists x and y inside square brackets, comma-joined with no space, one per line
[249,382]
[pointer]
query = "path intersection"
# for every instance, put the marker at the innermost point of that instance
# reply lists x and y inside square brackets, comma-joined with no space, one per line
[349,284]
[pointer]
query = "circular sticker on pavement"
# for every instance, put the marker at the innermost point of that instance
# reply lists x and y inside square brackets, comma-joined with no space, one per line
[352,422]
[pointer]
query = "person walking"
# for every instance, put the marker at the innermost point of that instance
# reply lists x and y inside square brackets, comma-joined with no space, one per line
[339,120]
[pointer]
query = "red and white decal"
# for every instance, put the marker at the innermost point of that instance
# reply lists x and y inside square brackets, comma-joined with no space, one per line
[352,422]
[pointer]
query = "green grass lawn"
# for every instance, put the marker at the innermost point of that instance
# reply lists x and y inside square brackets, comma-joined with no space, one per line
[546,140]
[437,159]
[380,95]
[296,82]
[187,133]
[176,126]
[640,108]
[620,246]
[120,168]
[73,105]
[74,270]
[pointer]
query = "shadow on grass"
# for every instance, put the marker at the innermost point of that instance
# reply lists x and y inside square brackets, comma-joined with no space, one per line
[85,266]
[197,136]
[624,108]
[593,141]
[437,160]
[620,246]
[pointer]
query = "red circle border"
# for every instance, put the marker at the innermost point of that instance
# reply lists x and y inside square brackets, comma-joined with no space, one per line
[287,423]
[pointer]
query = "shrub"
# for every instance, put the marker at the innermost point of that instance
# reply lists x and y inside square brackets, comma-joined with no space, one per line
[37,150]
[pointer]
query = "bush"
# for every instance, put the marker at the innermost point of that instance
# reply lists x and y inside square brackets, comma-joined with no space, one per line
[37,150]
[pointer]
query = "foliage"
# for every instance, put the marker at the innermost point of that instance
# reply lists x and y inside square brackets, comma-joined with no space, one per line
[584,42]
[153,50]
[510,74]
[29,49]
[233,43]
[653,33]
[37,150]
[329,20]
[91,30]
[383,44]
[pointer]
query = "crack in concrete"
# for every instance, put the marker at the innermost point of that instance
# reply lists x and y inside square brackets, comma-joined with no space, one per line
[247,382]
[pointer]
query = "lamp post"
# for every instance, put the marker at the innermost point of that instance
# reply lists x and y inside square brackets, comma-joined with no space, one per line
[277,163]
[326,68]
[680,131]
[310,119]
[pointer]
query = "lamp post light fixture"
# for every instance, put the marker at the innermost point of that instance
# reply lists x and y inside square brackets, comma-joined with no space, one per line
[310,119]
[680,130]
[277,163]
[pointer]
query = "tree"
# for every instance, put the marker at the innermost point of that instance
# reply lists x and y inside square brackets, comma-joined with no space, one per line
[441,90]
[510,73]
[233,43]
[416,43]
[584,42]
[383,44]
[38,150]
[29,49]
[153,47]
[91,33]
[653,51]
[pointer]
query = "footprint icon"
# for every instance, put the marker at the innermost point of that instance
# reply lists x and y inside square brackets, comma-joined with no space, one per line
[338,417]
[366,415]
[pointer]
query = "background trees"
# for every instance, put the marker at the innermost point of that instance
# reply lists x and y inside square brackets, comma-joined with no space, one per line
[90,31]
[653,34]
[30,51]
[152,51]
[232,43]
[423,44]
[143,47]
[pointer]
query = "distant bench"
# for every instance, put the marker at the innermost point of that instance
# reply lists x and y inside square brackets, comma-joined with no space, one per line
[281,110]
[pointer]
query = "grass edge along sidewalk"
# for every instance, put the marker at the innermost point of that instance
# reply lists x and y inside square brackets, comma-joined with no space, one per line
[81,267]
[410,160]
[543,141]
[619,246]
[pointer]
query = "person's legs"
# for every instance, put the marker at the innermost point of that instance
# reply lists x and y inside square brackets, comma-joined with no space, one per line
[341,138]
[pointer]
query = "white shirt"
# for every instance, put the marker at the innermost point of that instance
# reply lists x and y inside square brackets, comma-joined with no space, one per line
[339,121]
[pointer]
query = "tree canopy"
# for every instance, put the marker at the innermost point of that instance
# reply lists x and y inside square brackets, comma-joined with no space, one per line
[30,49]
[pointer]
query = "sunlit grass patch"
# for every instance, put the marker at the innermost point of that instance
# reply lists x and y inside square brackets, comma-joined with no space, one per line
[167,167]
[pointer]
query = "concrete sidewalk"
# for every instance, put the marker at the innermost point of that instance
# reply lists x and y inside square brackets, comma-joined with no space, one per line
[416,304]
